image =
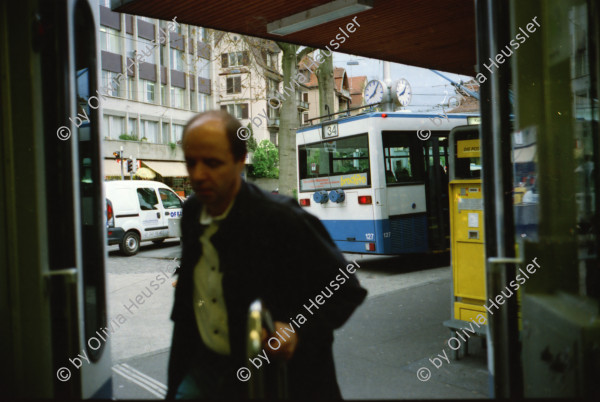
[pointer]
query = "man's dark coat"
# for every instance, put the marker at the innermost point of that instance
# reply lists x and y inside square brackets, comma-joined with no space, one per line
[269,248]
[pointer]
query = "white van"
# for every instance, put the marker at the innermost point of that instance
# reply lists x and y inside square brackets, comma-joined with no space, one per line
[139,210]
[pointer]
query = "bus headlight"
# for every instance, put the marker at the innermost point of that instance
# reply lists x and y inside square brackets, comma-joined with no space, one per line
[337,195]
[320,197]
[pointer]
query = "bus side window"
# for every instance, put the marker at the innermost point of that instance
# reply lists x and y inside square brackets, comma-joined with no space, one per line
[401,158]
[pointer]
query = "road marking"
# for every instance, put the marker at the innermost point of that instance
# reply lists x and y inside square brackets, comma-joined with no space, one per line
[148,383]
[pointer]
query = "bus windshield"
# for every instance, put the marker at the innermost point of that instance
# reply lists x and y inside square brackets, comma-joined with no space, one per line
[341,163]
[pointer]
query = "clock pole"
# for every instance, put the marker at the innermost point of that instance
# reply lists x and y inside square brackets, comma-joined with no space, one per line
[386,103]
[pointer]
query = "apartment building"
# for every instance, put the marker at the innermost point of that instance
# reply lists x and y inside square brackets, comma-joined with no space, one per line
[357,88]
[249,74]
[342,97]
[156,75]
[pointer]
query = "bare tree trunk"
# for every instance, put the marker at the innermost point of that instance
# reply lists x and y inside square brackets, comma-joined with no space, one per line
[326,85]
[289,116]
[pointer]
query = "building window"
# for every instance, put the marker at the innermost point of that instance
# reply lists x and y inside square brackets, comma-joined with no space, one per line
[272,61]
[144,47]
[110,40]
[237,110]
[163,55]
[273,137]
[133,127]
[166,133]
[202,102]
[305,96]
[203,67]
[272,87]
[189,62]
[106,126]
[193,100]
[129,46]
[149,130]
[177,132]
[304,118]
[203,33]
[177,97]
[273,113]
[148,88]
[130,88]
[177,60]
[163,95]
[234,85]
[110,84]
[234,59]
[117,126]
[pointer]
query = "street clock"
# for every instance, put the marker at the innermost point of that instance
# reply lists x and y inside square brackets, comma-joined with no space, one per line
[374,92]
[403,92]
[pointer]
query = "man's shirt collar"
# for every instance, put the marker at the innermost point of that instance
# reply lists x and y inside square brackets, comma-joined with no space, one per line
[207,219]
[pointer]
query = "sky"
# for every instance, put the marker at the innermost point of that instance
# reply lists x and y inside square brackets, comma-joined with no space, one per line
[427,87]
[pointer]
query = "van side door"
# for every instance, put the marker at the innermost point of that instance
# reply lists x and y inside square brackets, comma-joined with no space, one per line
[150,214]
[171,203]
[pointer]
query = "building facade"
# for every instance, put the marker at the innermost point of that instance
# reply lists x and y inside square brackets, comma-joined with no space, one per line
[249,73]
[155,75]
[341,99]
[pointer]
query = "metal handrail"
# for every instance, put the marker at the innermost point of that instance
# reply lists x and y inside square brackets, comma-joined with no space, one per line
[257,388]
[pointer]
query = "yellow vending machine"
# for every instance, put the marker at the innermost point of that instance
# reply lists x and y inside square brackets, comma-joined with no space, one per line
[466,233]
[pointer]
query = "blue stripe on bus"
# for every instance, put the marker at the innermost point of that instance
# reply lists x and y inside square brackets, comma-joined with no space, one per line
[389,115]
[397,235]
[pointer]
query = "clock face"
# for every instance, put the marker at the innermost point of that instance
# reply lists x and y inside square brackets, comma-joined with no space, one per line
[403,92]
[374,92]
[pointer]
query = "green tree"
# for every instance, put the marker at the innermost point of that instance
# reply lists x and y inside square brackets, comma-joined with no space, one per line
[251,144]
[265,162]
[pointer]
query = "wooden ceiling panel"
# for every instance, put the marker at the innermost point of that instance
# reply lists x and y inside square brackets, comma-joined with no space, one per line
[438,34]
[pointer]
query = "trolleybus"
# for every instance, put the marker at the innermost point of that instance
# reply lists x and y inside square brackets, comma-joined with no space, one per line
[379,181]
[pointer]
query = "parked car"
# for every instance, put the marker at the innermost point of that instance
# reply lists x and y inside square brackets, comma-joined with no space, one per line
[140,210]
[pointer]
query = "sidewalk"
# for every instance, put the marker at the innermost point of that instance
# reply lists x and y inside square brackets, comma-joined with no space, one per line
[392,335]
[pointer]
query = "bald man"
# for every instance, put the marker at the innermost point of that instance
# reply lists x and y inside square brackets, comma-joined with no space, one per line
[240,244]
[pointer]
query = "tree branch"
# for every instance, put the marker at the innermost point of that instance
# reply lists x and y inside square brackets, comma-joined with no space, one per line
[304,52]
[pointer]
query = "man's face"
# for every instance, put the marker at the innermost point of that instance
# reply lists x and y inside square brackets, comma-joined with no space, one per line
[214,174]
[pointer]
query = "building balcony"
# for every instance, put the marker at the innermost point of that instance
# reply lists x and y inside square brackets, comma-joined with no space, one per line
[346,93]
[303,105]
[273,122]
[143,150]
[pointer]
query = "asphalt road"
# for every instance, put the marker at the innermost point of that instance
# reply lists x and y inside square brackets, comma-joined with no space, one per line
[378,352]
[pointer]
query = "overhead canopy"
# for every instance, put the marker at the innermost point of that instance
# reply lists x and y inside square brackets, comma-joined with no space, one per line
[437,34]
[112,168]
[168,169]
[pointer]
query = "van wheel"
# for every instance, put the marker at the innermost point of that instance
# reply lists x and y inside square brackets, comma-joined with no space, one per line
[158,241]
[130,243]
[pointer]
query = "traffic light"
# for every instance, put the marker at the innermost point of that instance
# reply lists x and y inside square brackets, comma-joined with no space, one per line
[118,154]
[129,165]
[133,165]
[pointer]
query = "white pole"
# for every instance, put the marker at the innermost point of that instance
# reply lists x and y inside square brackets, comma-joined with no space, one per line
[387,94]
[121,155]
